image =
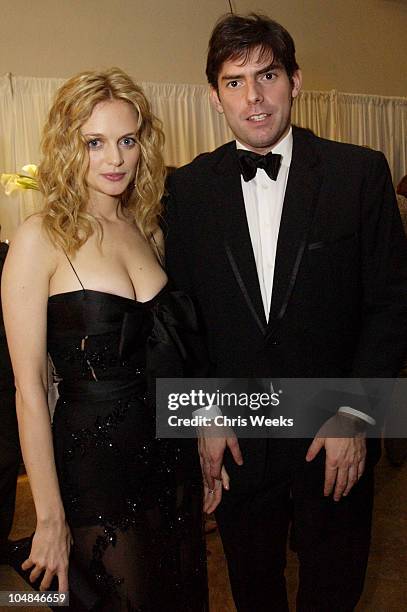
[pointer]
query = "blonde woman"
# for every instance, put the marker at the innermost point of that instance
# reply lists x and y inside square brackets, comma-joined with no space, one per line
[84,282]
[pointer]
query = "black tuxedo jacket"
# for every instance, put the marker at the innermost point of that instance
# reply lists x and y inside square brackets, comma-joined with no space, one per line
[339,301]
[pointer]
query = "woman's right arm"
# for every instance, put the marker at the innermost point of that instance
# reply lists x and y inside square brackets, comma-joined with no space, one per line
[30,263]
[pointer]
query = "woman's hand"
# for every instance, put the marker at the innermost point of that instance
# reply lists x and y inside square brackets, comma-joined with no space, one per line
[50,554]
[213,497]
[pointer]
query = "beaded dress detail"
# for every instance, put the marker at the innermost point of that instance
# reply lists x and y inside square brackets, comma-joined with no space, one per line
[133,503]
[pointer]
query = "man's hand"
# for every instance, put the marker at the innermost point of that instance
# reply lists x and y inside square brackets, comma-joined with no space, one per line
[212,442]
[213,497]
[345,456]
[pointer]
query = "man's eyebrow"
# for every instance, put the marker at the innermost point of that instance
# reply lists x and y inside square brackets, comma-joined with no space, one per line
[272,66]
[231,77]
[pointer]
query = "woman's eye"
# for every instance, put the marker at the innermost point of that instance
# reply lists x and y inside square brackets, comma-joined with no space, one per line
[128,141]
[95,143]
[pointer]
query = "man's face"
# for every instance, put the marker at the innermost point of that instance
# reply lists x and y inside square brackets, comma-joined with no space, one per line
[256,98]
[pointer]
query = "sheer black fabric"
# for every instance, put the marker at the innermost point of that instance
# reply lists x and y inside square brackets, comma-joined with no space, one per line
[133,502]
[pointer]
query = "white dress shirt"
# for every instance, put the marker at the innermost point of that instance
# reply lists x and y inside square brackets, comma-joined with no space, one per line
[263,200]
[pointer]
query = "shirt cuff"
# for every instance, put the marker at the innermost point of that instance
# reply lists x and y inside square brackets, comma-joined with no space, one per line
[357,413]
[210,413]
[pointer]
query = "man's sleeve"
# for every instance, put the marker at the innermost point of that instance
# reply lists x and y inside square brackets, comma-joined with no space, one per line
[382,343]
[383,339]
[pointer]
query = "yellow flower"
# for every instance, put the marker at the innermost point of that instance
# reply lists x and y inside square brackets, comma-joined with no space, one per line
[9,182]
[30,169]
[20,182]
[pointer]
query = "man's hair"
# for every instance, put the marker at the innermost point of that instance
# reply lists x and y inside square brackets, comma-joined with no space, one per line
[235,37]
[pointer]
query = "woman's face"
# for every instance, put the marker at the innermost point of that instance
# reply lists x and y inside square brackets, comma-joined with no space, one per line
[110,133]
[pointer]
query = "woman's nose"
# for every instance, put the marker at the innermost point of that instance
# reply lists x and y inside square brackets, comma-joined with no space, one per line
[115,156]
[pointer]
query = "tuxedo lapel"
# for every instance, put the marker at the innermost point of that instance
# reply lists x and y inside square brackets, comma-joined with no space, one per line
[232,219]
[300,198]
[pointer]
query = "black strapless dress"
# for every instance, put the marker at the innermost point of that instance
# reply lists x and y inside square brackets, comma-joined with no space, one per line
[133,502]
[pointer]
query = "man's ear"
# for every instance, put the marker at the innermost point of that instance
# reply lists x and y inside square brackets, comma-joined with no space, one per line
[214,97]
[296,81]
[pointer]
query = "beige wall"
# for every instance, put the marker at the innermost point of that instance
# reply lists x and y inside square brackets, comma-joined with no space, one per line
[357,46]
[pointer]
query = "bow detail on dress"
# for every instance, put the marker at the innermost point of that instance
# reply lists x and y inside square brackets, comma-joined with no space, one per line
[173,347]
[168,327]
[173,313]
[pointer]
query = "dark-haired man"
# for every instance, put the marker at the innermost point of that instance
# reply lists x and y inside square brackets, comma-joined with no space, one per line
[297,262]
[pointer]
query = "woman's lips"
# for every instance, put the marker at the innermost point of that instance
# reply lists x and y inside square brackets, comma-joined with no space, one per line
[114,176]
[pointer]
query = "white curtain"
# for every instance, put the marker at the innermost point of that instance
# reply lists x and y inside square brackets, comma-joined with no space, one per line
[317,110]
[192,127]
[9,209]
[376,122]
[24,106]
[32,100]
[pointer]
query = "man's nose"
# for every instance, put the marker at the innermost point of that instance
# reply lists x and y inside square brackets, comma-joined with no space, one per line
[254,92]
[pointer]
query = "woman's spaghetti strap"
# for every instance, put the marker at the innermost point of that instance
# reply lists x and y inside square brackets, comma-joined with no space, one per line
[75,272]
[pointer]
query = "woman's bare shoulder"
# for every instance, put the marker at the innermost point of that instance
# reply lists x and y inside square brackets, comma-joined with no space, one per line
[32,240]
[32,227]
[32,231]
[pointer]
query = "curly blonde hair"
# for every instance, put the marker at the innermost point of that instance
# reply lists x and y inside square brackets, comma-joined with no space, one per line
[65,159]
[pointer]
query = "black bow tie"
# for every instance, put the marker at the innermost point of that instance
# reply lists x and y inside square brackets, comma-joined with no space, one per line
[249,162]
